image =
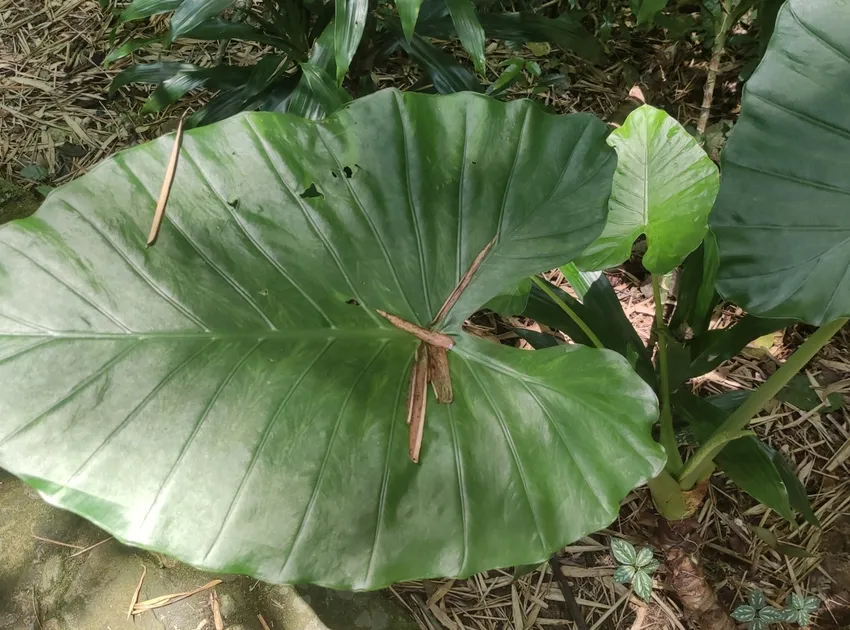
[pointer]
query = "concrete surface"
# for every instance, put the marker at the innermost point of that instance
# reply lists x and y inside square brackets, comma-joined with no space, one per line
[43,586]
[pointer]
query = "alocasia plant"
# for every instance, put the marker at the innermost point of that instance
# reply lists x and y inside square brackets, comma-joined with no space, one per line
[234,397]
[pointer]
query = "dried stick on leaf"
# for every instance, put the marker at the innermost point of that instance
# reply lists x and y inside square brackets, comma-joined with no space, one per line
[166,183]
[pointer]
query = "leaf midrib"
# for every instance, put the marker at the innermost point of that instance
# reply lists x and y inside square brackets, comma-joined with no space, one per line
[306,333]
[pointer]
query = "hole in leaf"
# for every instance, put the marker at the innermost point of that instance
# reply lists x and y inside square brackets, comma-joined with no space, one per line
[311,193]
[352,301]
[348,172]
[334,174]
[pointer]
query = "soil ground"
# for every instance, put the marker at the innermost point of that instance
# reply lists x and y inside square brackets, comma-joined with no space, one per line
[55,114]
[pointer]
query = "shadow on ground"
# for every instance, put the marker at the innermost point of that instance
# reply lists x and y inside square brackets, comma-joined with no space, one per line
[44,586]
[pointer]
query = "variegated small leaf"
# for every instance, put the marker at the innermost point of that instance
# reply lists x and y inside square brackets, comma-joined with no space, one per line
[644,557]
[624,552]
[756,599]
[769,614]
[624,574]
[651,567]
[744,613]
[643,585]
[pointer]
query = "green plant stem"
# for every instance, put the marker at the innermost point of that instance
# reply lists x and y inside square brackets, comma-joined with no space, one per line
[570,312]
[733,425]
[668,437]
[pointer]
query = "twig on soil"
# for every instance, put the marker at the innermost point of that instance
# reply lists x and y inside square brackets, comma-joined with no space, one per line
[35,609]
[56,542]
[167,600]
[137,591]
[263,622]
[567,591]
[216,610]
[89,548]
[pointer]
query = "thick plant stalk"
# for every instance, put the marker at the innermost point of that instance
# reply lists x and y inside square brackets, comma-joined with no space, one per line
[687,577]
[668,437]
[570,312]
[700,465]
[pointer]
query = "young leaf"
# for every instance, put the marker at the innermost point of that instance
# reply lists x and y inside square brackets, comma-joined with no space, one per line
[644,557]
[151,73]
[469,30]
[623,551]
[664,187]
[349,22]
[624,574]
[303,101]
[508,77]
[643,585]
[697,297]
[781,217]
[228,361]
[744,613]
[408,12]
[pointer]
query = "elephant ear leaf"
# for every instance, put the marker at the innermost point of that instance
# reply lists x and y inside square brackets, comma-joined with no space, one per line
[236,395]
[664,187]
[781,219]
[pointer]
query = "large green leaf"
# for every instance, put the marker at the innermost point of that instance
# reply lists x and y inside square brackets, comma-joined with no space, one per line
[231,397]
[664,187]
[781,217]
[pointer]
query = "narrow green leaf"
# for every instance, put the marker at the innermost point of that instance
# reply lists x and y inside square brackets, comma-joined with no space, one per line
[602,312]
[324,88]
[171,90]
[664,187]
[799,392]
[469,30]
[507,78]
[127,48]
[566,31]
[714,347]
[697,297]
[644,557]
[743,460]
[139,9]
[304,101]
[217,28]
[580,281]
[349,22]
[192,13]
[624,574]
[537,340]
[623,551]
[151,73]
[446,73]
[643,585]
[744,613]
[408,12]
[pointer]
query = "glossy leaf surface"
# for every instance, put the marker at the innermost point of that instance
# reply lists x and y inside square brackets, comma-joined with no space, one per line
[349,22]
[781,218]
[222,398]
[664,187]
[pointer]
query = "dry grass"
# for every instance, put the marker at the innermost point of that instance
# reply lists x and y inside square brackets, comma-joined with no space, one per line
[55,112]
